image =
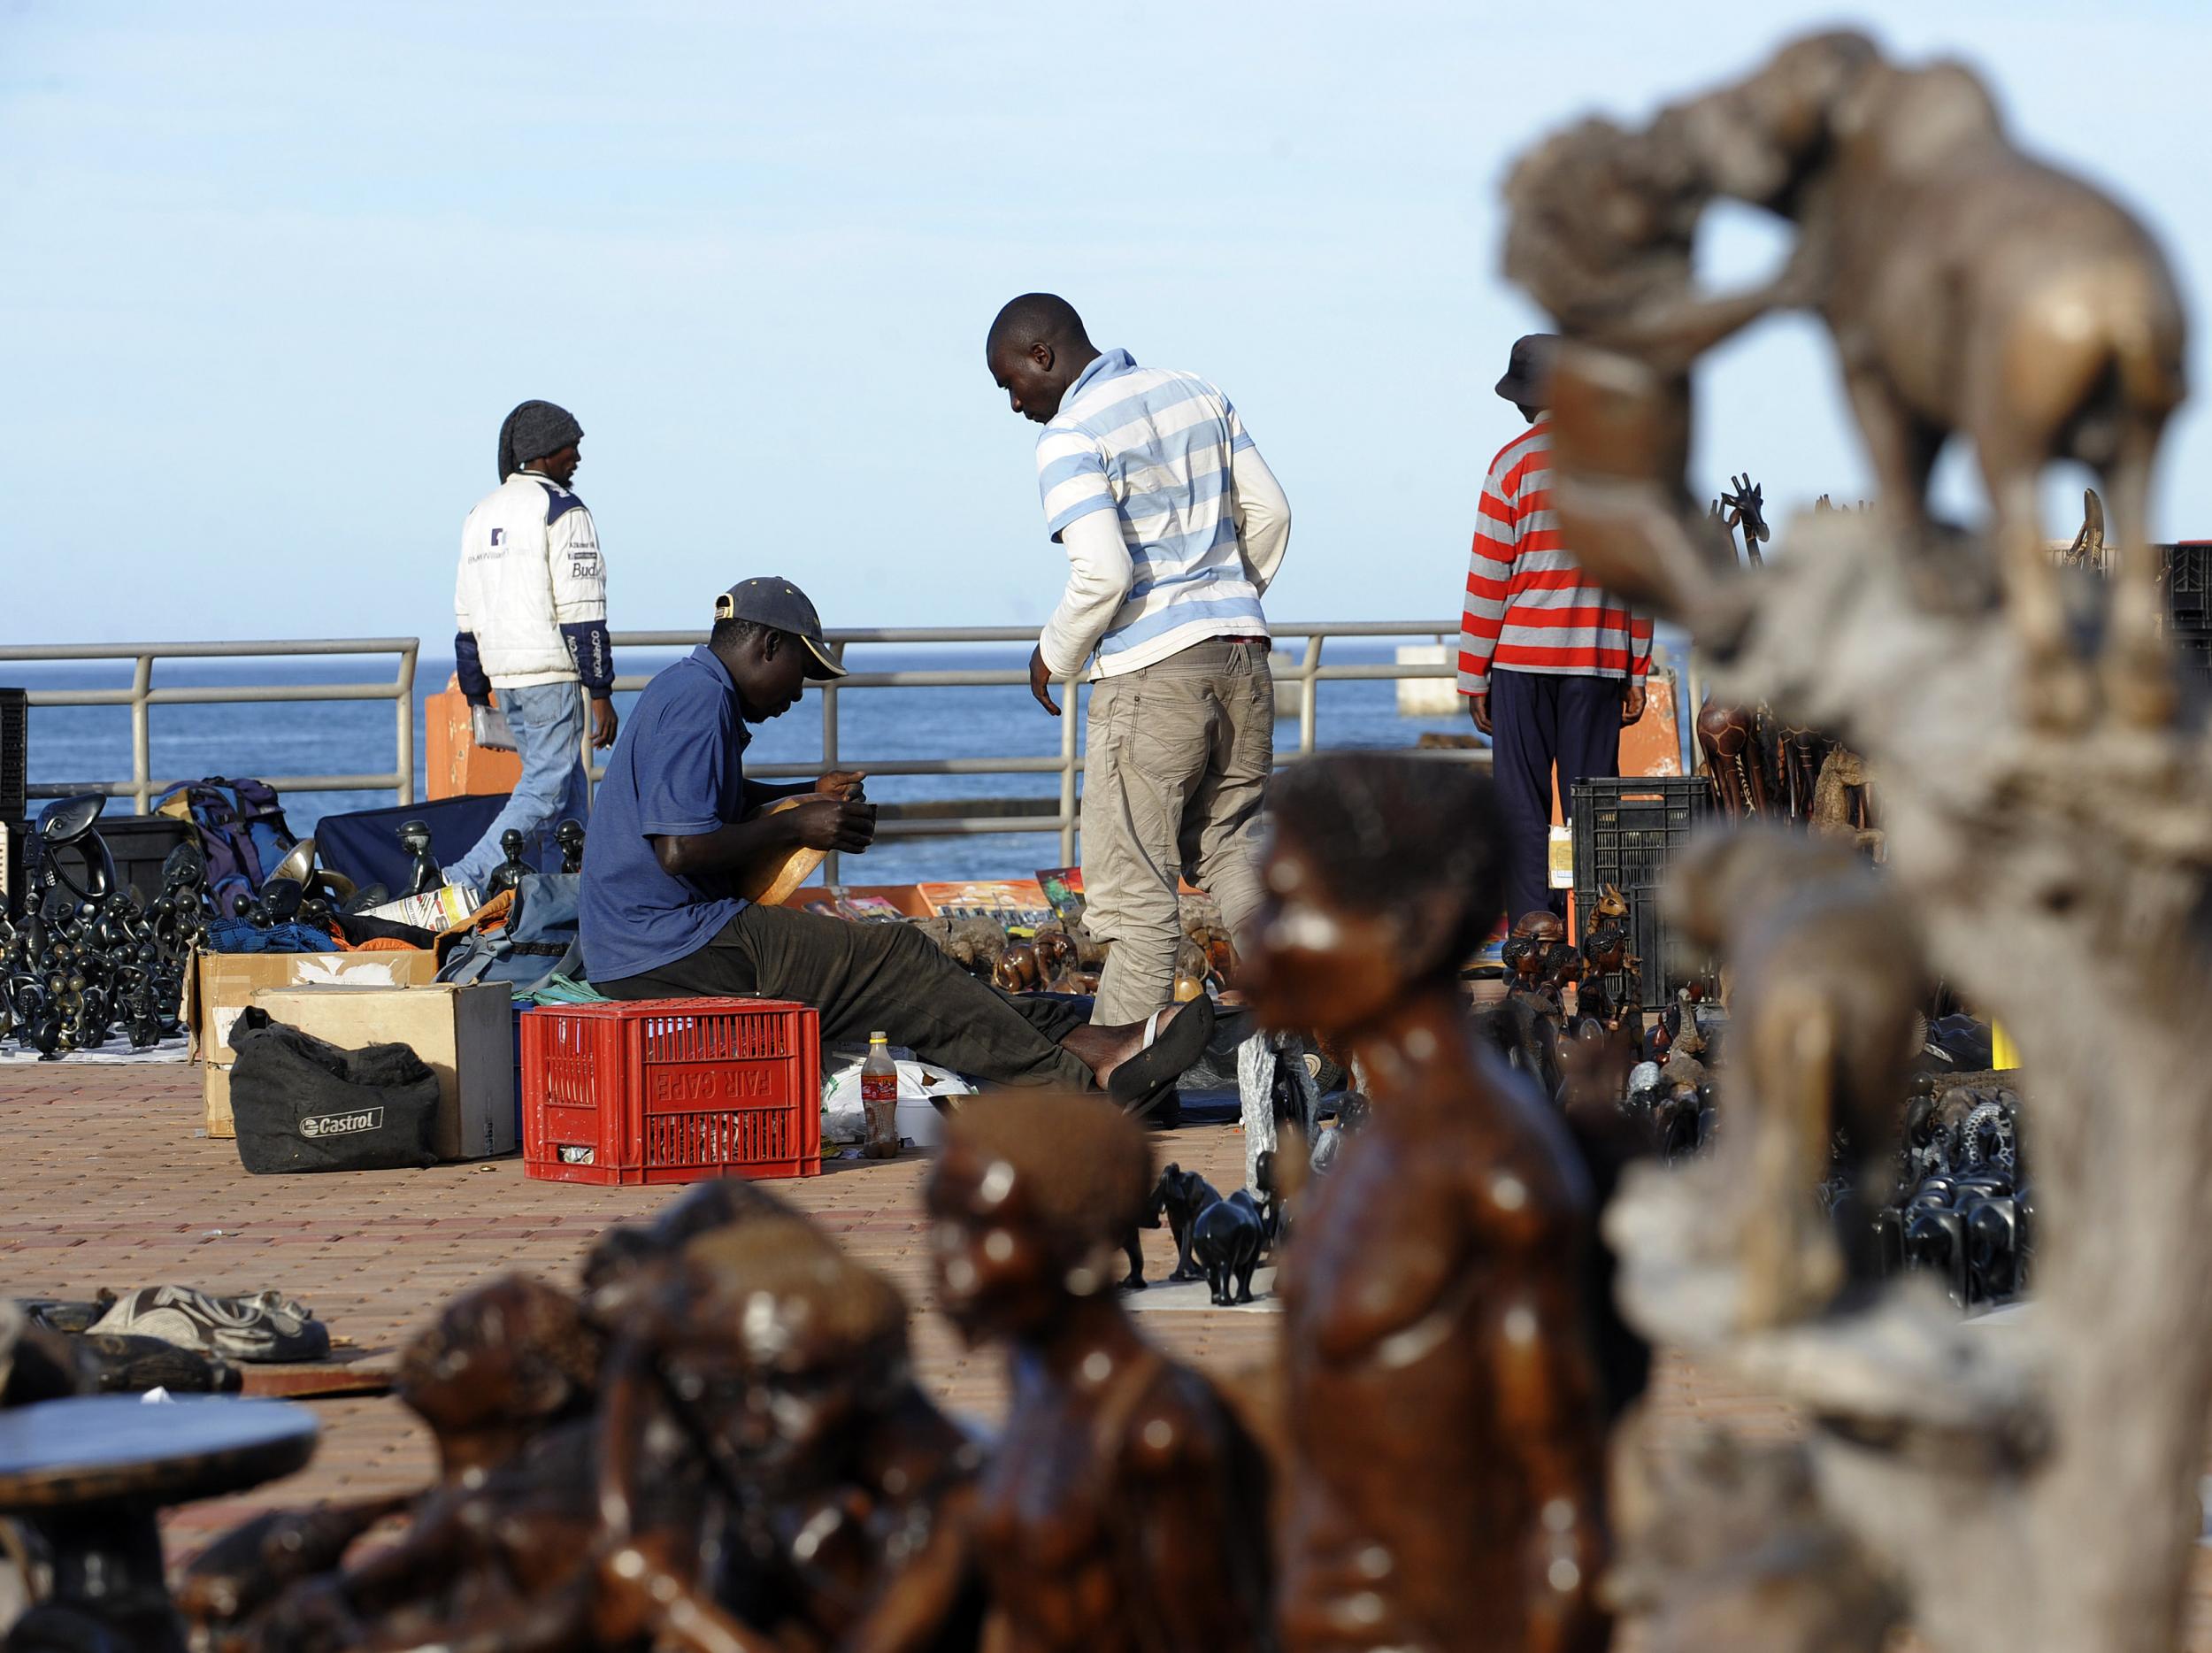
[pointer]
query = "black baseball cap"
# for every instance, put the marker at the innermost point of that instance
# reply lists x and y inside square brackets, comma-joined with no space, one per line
[774,602]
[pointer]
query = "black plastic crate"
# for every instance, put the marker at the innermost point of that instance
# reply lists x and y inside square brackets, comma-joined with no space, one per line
[15,747]
[2187,580]
[1625,833]
[12,876]
[2192,649]
[140,844]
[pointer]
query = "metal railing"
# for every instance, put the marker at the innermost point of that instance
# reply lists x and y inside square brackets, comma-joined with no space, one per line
[1296,660]
[141,697]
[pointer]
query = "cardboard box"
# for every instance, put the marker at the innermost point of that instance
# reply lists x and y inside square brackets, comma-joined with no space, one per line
[223,984]
[466,1034]
[215,1088]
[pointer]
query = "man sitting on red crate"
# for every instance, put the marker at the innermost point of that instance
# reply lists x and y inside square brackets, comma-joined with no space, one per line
[676,822]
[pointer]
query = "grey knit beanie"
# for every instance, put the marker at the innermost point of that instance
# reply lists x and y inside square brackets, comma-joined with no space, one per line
[534,430]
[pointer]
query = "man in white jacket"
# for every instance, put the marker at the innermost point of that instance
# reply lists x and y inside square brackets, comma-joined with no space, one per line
[1173,527]
[531,606]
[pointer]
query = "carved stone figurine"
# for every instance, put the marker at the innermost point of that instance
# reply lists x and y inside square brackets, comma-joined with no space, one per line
[414,838]
[570,836]
[514,870]
[1225,1243]
[1124,1507]
[1179,1195]
[1446,1432]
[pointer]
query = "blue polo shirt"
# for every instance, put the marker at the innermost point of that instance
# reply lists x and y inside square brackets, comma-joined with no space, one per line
[678,771]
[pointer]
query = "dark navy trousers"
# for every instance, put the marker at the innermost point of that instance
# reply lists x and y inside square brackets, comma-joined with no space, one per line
[1536,720]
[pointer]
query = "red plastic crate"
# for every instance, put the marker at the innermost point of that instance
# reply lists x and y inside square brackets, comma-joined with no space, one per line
[673,1090]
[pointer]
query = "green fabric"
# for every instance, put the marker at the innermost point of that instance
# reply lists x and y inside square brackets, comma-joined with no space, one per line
[558,989]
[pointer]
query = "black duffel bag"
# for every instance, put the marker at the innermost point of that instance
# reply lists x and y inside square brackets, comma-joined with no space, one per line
[302,1103]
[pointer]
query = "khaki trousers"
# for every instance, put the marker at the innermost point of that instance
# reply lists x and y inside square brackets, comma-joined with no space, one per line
[1175,771]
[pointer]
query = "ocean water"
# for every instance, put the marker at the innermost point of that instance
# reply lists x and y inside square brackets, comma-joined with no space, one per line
[92,743]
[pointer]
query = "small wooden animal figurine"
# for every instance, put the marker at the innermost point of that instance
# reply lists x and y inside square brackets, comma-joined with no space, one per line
[2088,546]
[511,872]
[1180,1195]
[414,837]
[1056,955]
[1747,513]
[1446,1434]
[1605,953]
[1726,735]
[1226,1240]
[1018,969]
[1843,803]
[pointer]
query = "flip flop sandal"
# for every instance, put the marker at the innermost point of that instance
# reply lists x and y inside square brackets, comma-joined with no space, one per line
[1140,1082]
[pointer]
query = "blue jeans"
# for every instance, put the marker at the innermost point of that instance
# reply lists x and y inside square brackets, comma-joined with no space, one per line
[548,720]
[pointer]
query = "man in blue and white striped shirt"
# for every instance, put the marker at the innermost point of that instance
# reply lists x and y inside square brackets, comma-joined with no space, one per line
[1173,527]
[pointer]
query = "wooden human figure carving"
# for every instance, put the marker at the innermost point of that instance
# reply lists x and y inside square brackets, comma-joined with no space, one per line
[1528,948]
[787,1363]
[1446,1434]
[506,1377]
[499,1366]
[1124,1510]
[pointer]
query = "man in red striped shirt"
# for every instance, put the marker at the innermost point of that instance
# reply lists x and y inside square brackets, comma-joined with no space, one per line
[1553,667]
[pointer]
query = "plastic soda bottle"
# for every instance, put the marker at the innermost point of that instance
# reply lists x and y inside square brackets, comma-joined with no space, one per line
[879,1098]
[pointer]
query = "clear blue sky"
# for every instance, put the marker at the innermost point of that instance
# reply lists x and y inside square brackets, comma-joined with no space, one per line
[269,275]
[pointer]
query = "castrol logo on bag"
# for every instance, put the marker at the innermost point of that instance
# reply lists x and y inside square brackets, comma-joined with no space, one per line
[342,1123]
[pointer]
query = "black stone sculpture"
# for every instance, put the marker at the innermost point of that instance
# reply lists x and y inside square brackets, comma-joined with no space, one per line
[511,872]
[1227,1240]
[414,837]
[570,836]
[1179,1195]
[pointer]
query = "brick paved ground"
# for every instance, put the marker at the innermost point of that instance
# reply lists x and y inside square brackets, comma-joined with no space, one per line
[104,1182]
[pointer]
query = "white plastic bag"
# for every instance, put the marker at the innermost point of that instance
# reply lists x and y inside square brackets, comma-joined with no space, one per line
[920,1081]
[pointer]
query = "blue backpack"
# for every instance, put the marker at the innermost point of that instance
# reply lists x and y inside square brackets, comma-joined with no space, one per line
[242,830]
[540,940]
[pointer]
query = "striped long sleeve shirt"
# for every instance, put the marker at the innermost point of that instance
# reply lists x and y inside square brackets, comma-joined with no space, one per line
[1173,524]
[1529,607]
